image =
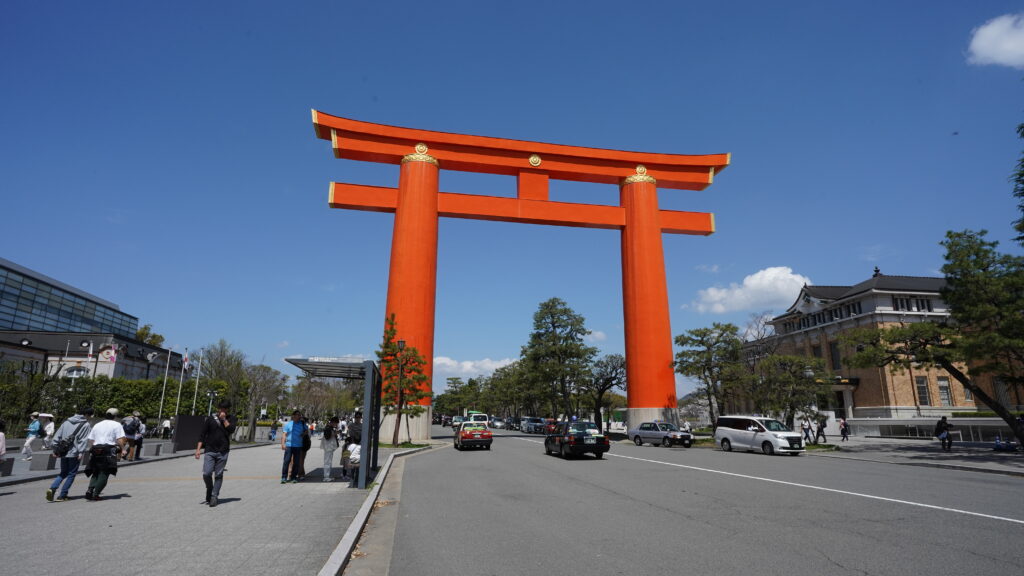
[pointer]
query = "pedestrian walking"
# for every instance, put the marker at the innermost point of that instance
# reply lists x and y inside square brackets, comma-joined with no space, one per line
[215,437]
[32,432]
[46,430]
[844,429]
[273,430]
[106,444]
[329,442]
[291,445]
[942,428]
[166,428]
[354,457]
[819,431]
[131,429]
[805,426]
[140,435]
[69,444]
[3,439]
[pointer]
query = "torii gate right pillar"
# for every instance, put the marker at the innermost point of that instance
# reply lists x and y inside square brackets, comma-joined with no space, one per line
[650,381]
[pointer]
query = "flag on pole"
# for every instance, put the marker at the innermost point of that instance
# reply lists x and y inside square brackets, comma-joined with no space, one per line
[113,353]
[185,364]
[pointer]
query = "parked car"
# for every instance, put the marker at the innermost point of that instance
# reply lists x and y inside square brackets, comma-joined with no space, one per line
[664,434]
[497,422]
[512,423]
[473,435]
[533,425]
[757,433]
[576,438]
[456,420]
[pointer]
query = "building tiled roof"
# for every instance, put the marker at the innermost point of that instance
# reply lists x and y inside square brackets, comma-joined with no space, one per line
[881,282]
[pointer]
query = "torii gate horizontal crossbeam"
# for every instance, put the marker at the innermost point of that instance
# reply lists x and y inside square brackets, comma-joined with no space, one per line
[476,207]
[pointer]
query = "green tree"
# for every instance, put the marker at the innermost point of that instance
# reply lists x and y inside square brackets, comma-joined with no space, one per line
[264,384]
[556,354]
[786,386]
[404,382]
[222,362]
[608,373]
[985,293]
[712,357]
[146,334]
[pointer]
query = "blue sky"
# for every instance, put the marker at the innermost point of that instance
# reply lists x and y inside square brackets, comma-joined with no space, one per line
[162,156]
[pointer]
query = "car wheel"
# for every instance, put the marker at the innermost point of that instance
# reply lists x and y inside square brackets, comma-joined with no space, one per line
[547,451]
[638,441]
[767,448]
[687,443]
[565,453]
[598,455]
[726,445]
[667,442]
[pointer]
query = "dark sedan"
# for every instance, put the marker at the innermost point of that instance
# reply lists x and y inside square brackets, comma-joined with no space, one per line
[575,438]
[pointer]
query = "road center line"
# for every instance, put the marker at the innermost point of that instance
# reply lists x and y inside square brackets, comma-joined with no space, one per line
[812,487]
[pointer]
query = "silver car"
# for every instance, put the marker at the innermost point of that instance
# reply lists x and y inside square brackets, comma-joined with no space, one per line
[664,434]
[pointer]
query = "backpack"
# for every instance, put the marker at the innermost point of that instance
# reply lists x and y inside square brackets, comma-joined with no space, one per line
[328,432]
[131,426]
[42,432]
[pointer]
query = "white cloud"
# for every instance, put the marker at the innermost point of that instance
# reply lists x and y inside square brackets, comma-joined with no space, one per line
[445,367]
[999,41]
[283,344]
[771,287]
[596,336]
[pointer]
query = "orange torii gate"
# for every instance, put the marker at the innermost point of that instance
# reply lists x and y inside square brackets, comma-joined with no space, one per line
[417,204]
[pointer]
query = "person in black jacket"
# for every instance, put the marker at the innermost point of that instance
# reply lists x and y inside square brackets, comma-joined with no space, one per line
[216,438]
[942,428]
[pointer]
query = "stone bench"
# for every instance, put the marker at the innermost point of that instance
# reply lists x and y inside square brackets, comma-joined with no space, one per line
[151,449]
[42,461]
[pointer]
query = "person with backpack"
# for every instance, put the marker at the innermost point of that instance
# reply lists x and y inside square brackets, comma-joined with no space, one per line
[329,443]
[216,438]
[131,427]
[70,443]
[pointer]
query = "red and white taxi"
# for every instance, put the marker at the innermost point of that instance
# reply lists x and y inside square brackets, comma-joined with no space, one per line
[473,435]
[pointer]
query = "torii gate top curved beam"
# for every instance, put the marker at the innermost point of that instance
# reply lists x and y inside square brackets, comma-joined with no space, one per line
[366,141]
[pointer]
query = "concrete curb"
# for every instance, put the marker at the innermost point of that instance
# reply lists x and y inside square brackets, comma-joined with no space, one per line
[9,481]
[343,551]
[960,467]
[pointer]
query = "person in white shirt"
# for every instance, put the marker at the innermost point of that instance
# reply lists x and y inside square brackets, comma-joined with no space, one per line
[329,442]
[106,443]
[353,459]
[48,427]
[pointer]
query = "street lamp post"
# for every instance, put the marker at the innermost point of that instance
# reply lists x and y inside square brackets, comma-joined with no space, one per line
[212,394]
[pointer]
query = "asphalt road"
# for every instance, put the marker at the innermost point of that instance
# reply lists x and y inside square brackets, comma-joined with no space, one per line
[648,510]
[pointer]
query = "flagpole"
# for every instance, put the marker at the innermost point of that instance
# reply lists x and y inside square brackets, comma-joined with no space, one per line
[163,392]
[199,370]
[181,379]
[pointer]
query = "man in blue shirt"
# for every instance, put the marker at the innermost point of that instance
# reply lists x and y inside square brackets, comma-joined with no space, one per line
[291,443]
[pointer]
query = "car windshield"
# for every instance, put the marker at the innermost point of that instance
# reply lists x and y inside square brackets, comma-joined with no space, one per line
[775,426]
[667,427]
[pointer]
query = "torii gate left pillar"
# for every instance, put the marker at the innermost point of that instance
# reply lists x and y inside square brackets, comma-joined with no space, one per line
[417,204]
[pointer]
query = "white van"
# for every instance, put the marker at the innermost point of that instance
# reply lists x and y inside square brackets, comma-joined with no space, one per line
[479,417]
[757,433]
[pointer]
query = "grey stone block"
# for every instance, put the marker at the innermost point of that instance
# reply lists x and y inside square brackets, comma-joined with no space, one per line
[41,461]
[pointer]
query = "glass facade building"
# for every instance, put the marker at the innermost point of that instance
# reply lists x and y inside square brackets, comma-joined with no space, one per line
[32,301]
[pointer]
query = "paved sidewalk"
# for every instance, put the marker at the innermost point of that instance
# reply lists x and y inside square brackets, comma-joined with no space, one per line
[970,456]
[150,520]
